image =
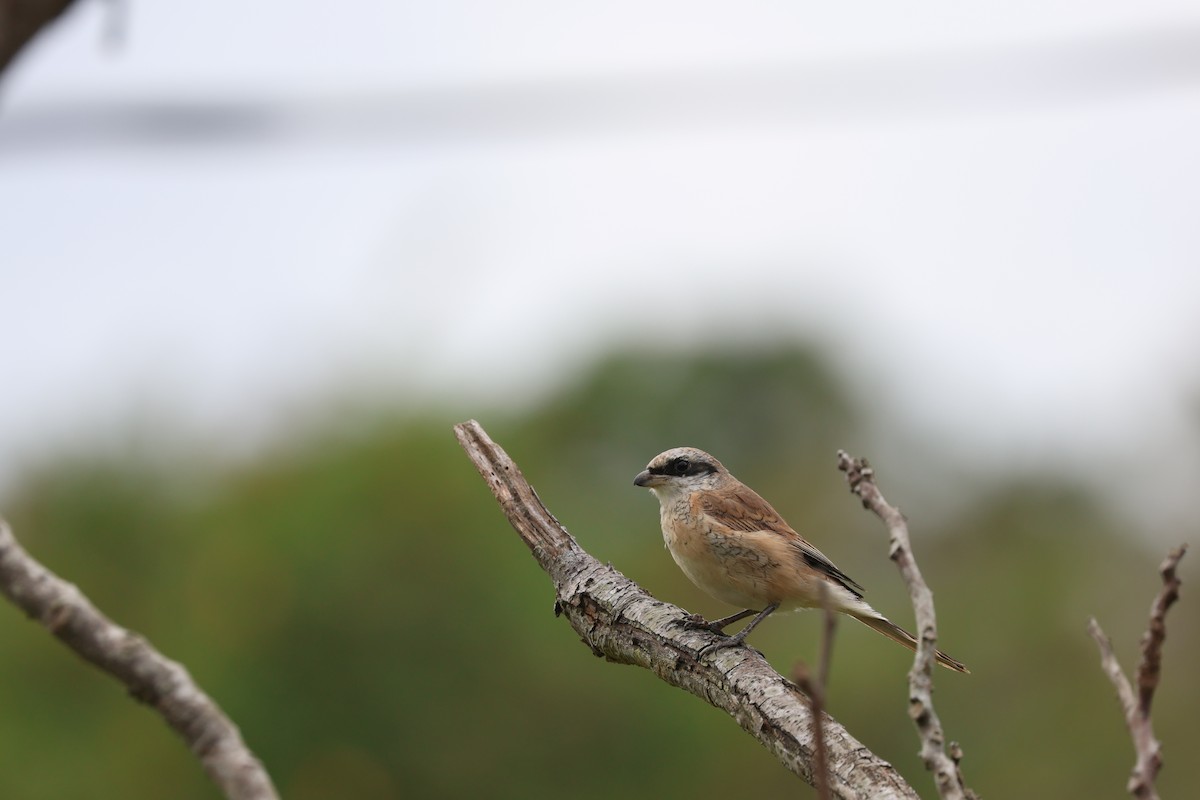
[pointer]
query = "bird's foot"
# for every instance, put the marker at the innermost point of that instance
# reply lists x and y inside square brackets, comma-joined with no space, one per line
[721,644]
[695,622]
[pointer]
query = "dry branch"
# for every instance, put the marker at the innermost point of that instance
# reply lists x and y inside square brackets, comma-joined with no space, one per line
[1136,707]
[622,623]
[945,769]
[150,677]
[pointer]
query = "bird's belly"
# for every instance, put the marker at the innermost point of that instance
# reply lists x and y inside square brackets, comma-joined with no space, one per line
[731,574]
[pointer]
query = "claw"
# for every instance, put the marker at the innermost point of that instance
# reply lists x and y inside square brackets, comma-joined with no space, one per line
[693,622]
[719,644]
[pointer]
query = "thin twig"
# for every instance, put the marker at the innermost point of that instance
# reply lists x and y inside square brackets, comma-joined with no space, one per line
[150,677]
[946,773]
[1136,707]
[803,678]
[1150,667]
[815,689]
[621,622]
[827,631]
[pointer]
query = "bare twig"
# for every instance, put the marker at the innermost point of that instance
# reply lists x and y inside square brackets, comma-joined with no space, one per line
[621,622]
[816,693]
[827,631]
[152,678]
[811,686]
[1136,707]
[1150,667]
[947,775]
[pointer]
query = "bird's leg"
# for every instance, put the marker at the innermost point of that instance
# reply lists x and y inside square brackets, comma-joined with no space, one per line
[695,621]
[740,636]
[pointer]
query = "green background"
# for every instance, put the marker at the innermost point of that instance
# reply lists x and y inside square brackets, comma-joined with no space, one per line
[355,600]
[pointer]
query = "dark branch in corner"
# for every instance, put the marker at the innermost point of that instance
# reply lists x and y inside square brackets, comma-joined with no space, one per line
[150,677]
[945,768]
[21,20]
[622,623]
[1136,707]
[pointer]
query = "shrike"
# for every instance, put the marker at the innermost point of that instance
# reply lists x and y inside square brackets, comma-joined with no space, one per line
[733,545]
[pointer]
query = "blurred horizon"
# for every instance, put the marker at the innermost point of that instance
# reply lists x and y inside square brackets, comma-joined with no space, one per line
[983,217]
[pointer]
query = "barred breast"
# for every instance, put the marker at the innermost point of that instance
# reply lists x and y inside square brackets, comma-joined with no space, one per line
[721,565]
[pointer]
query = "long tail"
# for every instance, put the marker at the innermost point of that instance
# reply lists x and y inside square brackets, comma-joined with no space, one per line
[898,634]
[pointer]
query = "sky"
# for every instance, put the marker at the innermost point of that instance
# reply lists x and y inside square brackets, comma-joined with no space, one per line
[224,212]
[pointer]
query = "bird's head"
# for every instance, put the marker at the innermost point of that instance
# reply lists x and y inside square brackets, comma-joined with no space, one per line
[681,470]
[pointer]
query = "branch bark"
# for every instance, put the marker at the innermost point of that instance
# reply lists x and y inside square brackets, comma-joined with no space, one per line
[150,677]
[945,768]
[20,21]
[622,623]
[1136,706]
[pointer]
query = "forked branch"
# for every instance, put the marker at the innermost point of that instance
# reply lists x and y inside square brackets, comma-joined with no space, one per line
[1136,706]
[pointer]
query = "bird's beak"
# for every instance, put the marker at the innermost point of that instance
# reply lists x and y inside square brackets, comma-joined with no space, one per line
[648,480]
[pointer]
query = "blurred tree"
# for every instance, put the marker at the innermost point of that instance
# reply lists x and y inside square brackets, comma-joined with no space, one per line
[360,607]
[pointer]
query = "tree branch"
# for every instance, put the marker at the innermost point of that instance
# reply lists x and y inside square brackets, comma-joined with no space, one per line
[1137,707]
[150,677]
[20,21]
[1150,667]
[946,773]
[622,623]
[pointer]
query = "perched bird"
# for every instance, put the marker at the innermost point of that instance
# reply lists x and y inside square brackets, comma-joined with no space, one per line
[732,544]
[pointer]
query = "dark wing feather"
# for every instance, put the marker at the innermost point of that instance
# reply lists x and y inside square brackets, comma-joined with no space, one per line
[817,560]
[743,509]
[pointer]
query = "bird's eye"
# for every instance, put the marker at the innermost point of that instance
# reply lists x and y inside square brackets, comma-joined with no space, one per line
[681,466]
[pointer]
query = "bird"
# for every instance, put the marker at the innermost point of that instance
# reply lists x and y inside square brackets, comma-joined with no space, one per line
[734,546]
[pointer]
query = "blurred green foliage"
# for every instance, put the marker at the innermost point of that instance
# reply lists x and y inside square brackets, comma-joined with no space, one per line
[359,605]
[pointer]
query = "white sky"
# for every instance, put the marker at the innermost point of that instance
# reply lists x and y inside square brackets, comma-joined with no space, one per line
[988,212]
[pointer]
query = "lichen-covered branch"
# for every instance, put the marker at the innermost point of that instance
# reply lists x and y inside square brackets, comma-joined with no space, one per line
[1136,706]
[622,623]
[152,678]
[946,772]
